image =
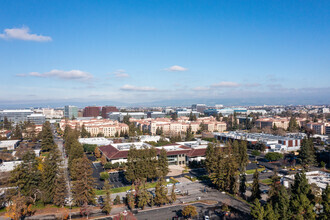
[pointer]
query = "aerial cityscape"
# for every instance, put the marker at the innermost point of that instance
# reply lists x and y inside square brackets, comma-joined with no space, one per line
[158,110]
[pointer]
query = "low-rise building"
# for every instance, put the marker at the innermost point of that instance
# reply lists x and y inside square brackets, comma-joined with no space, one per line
[177,154]
[273,143]
[99,141]
[105,127]
[8,144]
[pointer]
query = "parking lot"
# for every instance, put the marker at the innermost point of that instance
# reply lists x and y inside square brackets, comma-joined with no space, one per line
[118,179]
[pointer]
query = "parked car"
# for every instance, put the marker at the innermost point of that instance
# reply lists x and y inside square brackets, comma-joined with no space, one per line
[177,183]
[130,190]
[177,191]
[169,185]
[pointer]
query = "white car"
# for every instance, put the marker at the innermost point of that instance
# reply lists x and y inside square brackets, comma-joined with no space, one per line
[177,191]
[206,217]
[129,191]
[169,185]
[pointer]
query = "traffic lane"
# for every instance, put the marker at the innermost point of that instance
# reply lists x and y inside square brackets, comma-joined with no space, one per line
[176,211]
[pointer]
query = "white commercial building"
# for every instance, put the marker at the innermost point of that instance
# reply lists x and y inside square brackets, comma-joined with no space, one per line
[8,144]
[99,141]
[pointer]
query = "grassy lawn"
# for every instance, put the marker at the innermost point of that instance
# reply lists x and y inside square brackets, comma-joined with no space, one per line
[252,171]
[2,210]
[125,188]
[266,181]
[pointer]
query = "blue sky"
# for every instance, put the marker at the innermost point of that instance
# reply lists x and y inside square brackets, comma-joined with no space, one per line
[146,51]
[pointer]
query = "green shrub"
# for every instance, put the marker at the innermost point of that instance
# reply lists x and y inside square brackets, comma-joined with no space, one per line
[104,175]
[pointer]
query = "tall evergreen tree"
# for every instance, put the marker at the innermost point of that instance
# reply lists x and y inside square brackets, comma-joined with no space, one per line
[326,203]
[143,197]
[257,211]
[83,182]
[242,186]
[269,213]
[49,174]
[307,153]
[163,163]
[189,134]
[130,201]
[256,193]
[160,193]
[211,158]
[27,177]
[84,133]
[173,194]
[301,206]
[107,205]
[243,156]
[61,189]
[47,140]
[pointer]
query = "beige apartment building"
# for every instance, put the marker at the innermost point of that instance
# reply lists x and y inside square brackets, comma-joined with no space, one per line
[107,128]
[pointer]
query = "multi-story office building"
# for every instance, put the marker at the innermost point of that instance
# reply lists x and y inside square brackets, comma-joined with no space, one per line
[15,116]
[108,109]
[70,111]
[91,111]
[156,115]
[37,119]
[199,107]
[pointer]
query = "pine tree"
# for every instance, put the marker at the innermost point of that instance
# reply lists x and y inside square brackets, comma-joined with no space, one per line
[274,191]
[17,134]
[60,189]
[282,207]
[325,203]
[27,177]
[130,201]
[307,153]
[163,163]
[269,213]
[256,193]
[143,197]
[84,133]
[257,211]
[117,200]
[49,175]
[47,140]
[211,158]
[76,151]
[242,186]
[301,197]
[107,205]
[173,194]
[243,156]
[83,182]
[160,193]
[189,134]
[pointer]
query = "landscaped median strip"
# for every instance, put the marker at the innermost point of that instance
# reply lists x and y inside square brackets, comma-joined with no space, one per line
[125,188]
[248,172]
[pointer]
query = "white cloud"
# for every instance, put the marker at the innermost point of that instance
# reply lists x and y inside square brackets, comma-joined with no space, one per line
[199,88]
[226,84]
[61,74]
[120,74]
[176,68]
[23,34]
[136,88]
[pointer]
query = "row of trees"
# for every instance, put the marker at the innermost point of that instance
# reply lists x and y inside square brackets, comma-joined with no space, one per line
[37,179]
[140,197]
[83,192]
[298,203]
[144,164]
[224,163]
